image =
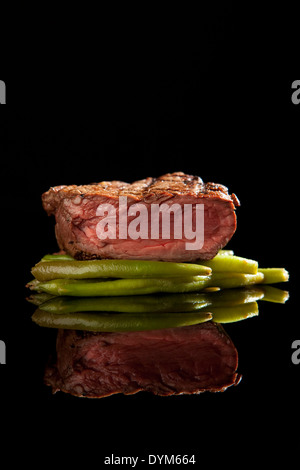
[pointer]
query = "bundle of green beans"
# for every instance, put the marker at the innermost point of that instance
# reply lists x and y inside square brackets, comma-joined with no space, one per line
[129,295]
[62,275]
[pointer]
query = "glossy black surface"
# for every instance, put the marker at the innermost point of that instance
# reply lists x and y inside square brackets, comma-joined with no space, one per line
[220,108]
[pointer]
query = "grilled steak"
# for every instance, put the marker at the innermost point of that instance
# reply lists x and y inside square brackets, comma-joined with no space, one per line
[76,209]
[187,360]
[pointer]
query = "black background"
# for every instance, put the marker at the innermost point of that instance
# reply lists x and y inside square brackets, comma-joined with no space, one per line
[212,99]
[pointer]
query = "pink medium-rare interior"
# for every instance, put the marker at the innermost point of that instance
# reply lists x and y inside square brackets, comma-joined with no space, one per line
[76,223]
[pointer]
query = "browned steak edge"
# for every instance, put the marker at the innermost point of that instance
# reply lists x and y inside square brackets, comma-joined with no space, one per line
[168,185]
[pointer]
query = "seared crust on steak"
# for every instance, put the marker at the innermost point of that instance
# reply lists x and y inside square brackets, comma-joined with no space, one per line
[168,185]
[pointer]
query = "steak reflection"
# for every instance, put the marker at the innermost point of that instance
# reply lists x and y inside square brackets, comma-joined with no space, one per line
[165,344]
[174,361]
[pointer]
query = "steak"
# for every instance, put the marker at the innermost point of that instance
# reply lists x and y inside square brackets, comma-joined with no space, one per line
[186,360]
[76,210]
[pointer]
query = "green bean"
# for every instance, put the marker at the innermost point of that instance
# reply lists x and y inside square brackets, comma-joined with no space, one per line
[131,304]
[125,287]
[120,287]
[235,314]
[224,263]
[226,253]
[58,257]
[40,298]
[275,295]
[228,280]
[149,303]
[125,269]
[234,297]
[33,284]
[274,275]
[118,322]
